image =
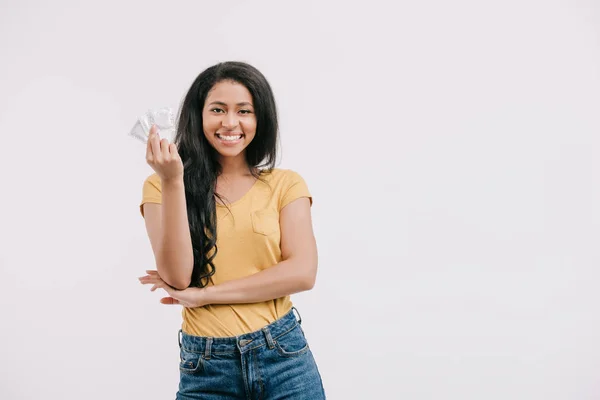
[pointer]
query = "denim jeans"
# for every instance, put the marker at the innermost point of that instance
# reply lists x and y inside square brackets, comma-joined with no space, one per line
[270,364]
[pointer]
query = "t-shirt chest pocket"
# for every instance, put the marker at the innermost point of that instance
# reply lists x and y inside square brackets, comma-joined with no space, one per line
[265,222]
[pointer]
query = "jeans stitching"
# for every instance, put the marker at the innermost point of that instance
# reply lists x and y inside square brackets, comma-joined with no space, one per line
[260,382]
[296,353]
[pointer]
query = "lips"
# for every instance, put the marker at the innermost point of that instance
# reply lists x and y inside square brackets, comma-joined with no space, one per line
[230,139]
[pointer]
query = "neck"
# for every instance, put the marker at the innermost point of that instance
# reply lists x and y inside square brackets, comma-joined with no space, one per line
[234,166]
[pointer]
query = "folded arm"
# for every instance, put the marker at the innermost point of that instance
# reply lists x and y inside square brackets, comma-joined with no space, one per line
[295,273]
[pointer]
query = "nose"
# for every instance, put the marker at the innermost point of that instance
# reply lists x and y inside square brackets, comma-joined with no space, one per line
[230,121]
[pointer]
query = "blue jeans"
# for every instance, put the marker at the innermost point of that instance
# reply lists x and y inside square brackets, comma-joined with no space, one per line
[270,364]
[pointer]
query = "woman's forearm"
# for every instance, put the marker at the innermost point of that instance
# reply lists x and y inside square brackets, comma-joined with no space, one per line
[286,278]
[176,259]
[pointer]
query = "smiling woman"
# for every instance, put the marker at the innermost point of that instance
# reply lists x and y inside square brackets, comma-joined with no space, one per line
[229,128]
[233,239]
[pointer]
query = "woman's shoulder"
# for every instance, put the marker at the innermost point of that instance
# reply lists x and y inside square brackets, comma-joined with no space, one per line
[281,175]
[287,185]
[282,180]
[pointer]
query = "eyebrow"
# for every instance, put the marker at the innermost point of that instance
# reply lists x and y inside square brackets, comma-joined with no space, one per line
[245,103]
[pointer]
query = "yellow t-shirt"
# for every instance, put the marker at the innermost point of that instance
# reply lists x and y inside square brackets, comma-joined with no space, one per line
[248,240]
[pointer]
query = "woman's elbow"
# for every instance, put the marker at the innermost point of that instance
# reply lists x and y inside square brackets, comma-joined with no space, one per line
[182,285]
[175,279]
[176,282]
[310,278]
[308,284]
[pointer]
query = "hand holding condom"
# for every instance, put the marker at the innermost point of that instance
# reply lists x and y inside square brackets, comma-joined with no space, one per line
[161,155]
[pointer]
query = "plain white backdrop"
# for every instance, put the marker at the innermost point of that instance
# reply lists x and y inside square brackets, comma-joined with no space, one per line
[451,148]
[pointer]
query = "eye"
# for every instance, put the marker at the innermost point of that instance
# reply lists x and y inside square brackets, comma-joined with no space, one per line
[246,111]
[217,110]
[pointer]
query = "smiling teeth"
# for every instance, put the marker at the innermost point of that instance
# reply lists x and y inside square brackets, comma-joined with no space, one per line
[230,138]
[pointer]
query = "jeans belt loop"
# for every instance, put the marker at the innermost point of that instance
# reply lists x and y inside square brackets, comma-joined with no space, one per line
[207,350]
[270,341]
[299,316]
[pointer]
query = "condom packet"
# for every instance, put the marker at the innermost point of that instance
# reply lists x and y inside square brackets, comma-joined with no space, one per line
[163,118]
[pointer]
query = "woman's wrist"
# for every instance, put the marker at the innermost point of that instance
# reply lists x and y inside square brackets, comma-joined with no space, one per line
[202,298]
[174,182]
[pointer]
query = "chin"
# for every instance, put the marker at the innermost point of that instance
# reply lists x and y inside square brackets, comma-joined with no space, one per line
[230,153]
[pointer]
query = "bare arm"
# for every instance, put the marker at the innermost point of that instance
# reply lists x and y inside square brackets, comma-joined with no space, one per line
[295,273]
[168,230]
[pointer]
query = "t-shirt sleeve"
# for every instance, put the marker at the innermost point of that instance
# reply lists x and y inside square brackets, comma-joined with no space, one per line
[295,187]
[151,192]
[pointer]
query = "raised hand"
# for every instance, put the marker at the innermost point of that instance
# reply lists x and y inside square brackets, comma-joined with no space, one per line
[163,157]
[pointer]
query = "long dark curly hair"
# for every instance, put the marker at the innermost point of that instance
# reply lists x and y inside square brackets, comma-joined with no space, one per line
[201,161]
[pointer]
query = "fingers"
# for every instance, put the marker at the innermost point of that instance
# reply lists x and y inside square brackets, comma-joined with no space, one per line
[149,279]
[157,283]
[169,300]
[153,134]
[153,152]
[159,150]
[173,151]
[154,142]
[164,286]
[148,144]
[154,278]
[164,149]
[153,137]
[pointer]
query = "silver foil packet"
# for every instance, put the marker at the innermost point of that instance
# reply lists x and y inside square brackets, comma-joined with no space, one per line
[163,118]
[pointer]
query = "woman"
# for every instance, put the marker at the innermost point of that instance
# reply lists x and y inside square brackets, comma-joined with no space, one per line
[233,239]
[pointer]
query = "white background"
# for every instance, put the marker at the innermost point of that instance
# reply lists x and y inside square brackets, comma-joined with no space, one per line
[452,149]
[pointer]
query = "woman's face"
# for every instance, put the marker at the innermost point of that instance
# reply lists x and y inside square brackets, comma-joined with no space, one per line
[228,118]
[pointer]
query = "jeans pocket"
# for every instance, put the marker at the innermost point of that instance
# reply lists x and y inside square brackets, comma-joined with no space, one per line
[190,362]
[292,343]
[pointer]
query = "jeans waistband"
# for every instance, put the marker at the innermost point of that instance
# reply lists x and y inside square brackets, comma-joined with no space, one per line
[242,343]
